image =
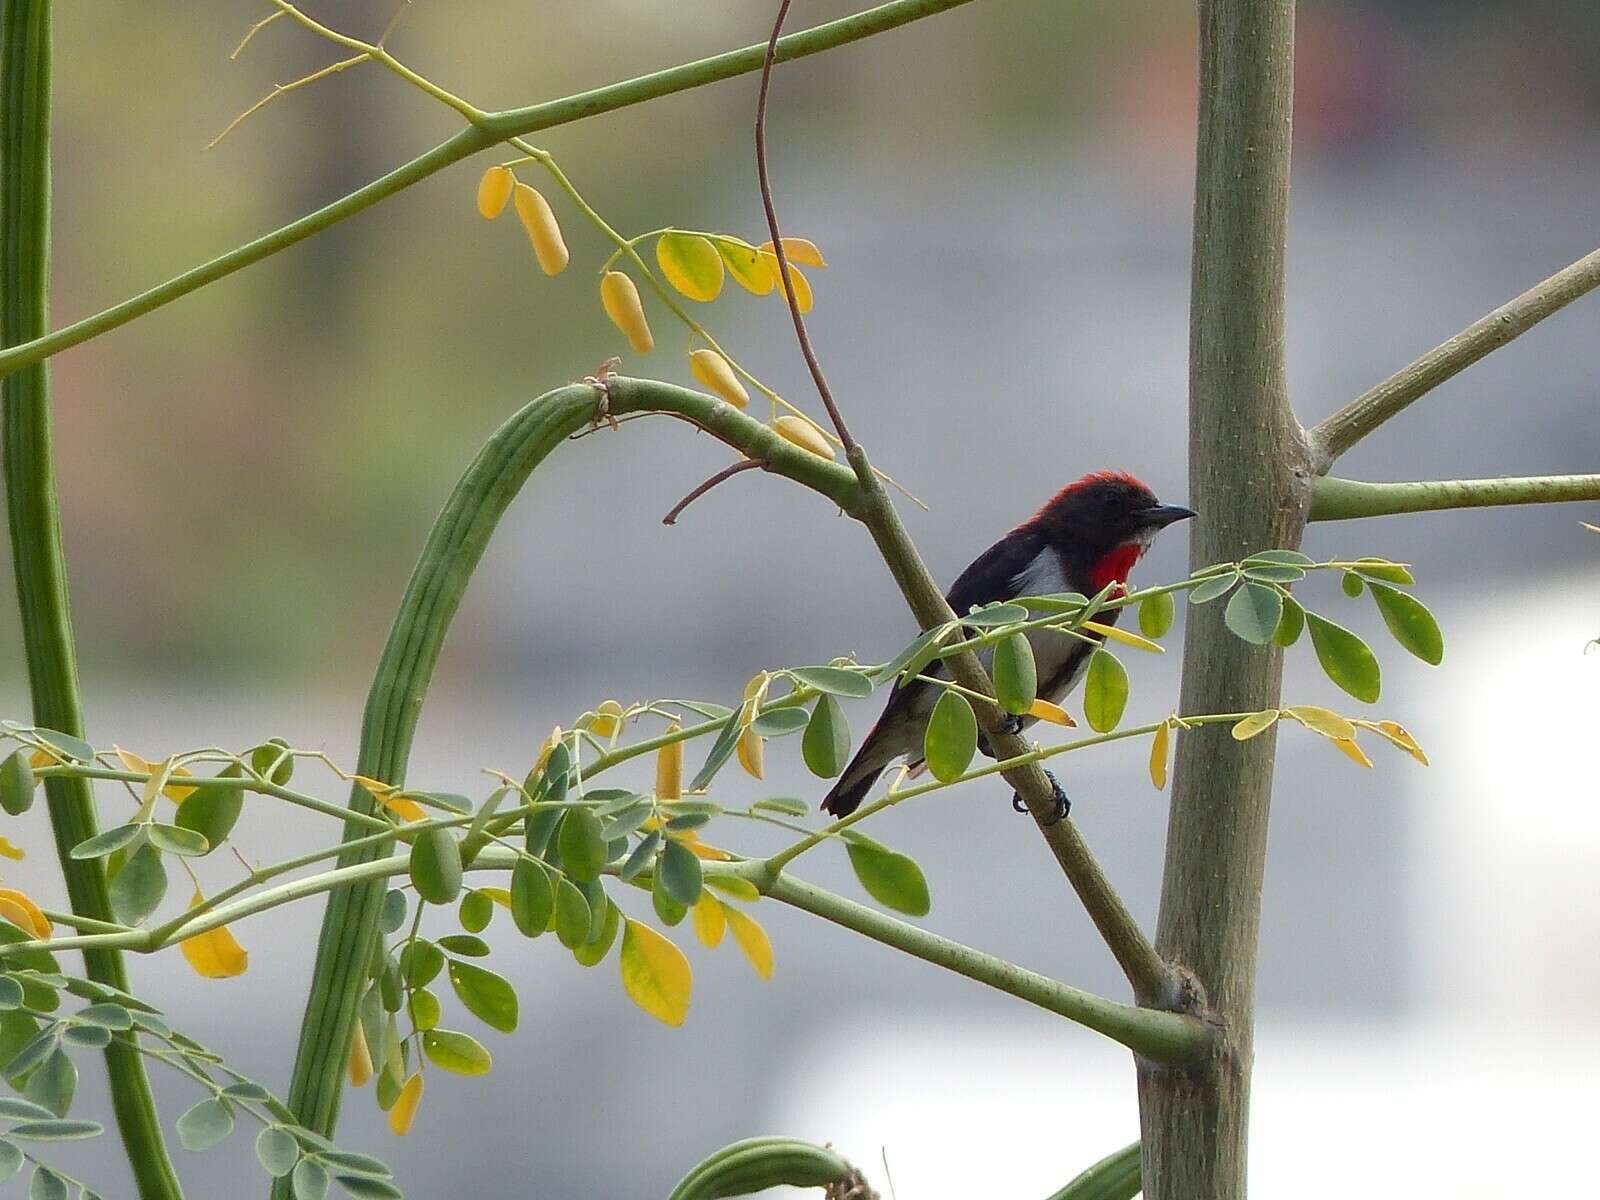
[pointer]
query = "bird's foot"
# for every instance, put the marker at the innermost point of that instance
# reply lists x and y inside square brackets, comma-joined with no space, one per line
[1062,805]
[1010,725]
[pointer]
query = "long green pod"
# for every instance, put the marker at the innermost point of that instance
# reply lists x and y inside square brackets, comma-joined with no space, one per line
[755,1164]
[1114,1177]
[452,552]
[37,555]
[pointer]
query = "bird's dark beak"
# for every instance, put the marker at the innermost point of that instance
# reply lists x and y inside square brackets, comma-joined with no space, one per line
[1162,515]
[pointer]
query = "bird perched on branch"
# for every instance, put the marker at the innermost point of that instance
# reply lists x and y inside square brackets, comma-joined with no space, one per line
[1088,535]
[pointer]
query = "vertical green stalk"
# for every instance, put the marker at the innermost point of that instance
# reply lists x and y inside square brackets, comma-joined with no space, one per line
[36,532]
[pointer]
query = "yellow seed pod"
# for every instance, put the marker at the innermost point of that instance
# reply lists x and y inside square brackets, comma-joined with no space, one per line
[360,1065]
[803,434]
[713,371]
[494,189]
[669,768]
[620,299]
[751,753]
[543,230]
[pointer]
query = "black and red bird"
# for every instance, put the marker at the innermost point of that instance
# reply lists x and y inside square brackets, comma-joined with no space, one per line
[1089,534]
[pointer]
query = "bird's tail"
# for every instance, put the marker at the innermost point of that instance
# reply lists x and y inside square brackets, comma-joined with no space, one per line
[857,779]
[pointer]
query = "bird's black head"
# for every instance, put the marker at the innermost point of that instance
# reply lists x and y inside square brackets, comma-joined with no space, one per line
[1102,524]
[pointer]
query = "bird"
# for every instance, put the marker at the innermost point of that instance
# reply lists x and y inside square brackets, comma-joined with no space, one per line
[1086,537]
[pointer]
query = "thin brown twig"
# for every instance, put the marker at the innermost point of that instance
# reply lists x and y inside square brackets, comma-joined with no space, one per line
[745,464]
[777,238]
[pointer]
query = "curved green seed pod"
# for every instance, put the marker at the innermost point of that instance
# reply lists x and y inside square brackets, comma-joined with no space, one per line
[755,1164]
[1114,1177]
[454,547]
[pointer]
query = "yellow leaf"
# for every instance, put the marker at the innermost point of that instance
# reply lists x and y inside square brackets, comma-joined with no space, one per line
[714,373]
[621,301]
[1324,721]
[1158,757]
[607,719]
[360,1064]
[404,1109]
[752,940]
[214,954]
[1348,745]
[1255,723]
[405,807]
[692,843]
[754,690]
[802,285]
[797,250]
[546,748]
[709,922]
[14,853]
[494,189]
[1054,714]
[751,755]
[43,758]
[691,264]
[544,231]
[143,766]
[669,768]
[1125,637]
[655,973]
[803,434]
[377,787]
[1401,737]
[501,896]
[732,885]
[19,908]
[751,269]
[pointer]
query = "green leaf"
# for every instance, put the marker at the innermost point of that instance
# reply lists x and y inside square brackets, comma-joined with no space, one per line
[71,747]
[721,751]
[571,914]
[55,1131]
[1346,659]
[249,1090]
[14,1108]
[27,960]
[951,738]
[557,775]
[995,615]
[538,828]
[138,889]
[393,914]
[691,264]
[1293,558]
[206,1124]
[16,783]
[102,844]
[1382,568]
[1275,574]
[1290,624]
[788,805]
[581,844]
[365,1187]
[922,650]
[826,744]
[1105,692]
[1352,584]
[1254,612]
[643,856]
[892,879]
[212,812]
[680,874]
[424,1008]
[176,840]
[46,1184]
[11,1159]
[780,722]
[310,1180]
[487,996]
[1115,1177]
[107,1016]
[18,1031]
[465,944]
[458,1053]
[358,1164]
[836,681]
[1156,614]
[272,760]
[1016,678]
[436,866]
[1213,587]
[668,909]
[592,952]
[277,1151]
[1411,623]
[420,962]
[92,1036]
[53,1084]
[10,992]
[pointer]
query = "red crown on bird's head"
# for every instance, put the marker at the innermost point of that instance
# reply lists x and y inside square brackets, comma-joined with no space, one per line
[1089,481]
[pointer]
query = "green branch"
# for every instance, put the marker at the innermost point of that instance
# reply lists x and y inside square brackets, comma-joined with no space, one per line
[1160,1036]
[1343,499]
[1402,389]
[496,127]
[37,554]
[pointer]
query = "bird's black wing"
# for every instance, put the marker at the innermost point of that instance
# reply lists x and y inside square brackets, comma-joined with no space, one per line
[993,574]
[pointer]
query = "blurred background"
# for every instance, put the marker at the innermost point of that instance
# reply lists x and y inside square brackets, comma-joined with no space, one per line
[1003,194]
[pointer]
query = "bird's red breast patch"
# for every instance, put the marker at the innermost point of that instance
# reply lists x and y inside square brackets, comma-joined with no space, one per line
[1115,566]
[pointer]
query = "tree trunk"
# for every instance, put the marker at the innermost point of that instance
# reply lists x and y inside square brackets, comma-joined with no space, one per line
[1249,477]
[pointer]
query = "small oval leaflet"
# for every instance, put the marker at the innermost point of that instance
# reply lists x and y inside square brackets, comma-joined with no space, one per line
[582,844]
[206,1124]
[1158,756]
[691,264]
[1322,720]
[138,888]
[459,1053]
[1346,659]
[837,681]
[1105,692]
[277,1151]
[592,952]
[476,911]
[826,744]
[951,738]
[1156,614]
[680,873]
[893,879]
[16,784]
[1212,587]
[779,722]
[1255,723]
[487,996]
[1254,612]
[1290,624]
[571,914]
[1016,677]
[750,269]
[1352,584]
[436,866]
[668,909]
[751,939]
[212,812]
[1410,622]
[655,973]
